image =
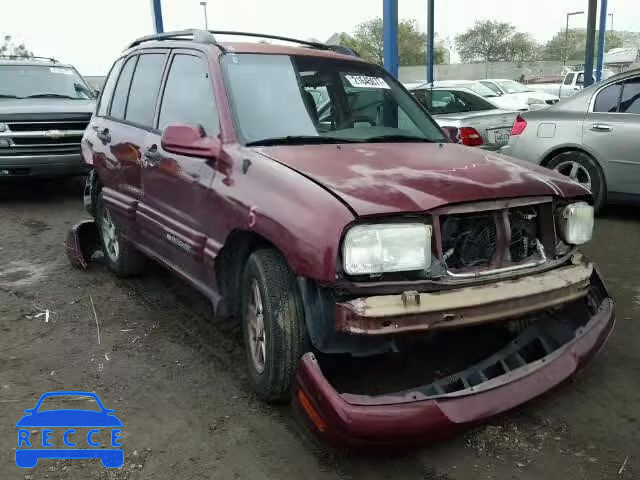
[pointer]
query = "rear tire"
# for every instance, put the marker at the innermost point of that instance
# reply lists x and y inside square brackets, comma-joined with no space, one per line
[120,256]
[273,324]
[581,167]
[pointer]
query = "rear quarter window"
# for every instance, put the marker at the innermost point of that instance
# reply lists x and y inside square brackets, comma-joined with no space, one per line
[108,88]
[119,102]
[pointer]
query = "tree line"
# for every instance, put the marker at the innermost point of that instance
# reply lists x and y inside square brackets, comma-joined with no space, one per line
[491,41]
[486,41]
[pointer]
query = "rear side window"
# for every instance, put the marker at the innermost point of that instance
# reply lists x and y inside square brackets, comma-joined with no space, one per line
[492,86]
[119,102]
[607,99]
[188,95]
[107,89]
[630,100]
[442,102]
[144,89]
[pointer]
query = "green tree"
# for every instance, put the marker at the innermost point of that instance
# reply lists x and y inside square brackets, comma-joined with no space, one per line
[521,47]
[9,48]
[486,41]
[412,44]
[574,45]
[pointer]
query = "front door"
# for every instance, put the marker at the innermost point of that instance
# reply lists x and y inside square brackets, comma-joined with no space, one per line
[176,214]
[612,129]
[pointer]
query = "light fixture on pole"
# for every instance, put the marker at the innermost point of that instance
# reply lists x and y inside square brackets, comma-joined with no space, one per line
[204,7]
[566,35]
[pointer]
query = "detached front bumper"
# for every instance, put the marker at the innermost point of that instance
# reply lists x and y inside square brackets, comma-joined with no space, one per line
[413,416]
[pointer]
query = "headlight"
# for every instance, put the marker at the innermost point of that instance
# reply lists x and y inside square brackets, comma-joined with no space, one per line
[534,101]
[576,223]
[393,247]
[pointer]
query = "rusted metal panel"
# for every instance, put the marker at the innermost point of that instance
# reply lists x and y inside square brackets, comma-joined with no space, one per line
[386,314]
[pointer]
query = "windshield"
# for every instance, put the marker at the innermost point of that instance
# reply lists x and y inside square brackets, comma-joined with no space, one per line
[511,86]
[307,99]
[33,81]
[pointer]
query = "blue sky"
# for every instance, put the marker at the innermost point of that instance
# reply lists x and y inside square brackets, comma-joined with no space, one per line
[91,33]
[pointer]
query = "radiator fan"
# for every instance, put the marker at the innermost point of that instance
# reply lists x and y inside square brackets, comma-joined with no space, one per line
[477,244]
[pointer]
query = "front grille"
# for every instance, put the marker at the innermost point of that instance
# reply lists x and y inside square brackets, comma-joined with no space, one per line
[40,126]
[471,242]
[39,137]
[552,102]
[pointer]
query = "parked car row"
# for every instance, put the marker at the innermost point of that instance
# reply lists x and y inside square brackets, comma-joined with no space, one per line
[324,209]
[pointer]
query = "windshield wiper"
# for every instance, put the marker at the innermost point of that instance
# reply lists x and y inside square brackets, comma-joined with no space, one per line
[51,95]
[299,140]
[398,138]
[4,95]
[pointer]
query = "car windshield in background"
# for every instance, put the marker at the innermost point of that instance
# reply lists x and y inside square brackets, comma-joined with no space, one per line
[42,81]
[442,102]
[279,99]
[511,86]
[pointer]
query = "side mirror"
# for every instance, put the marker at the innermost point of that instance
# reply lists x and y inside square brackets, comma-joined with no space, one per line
[190,140]
[29,410]
[96,92]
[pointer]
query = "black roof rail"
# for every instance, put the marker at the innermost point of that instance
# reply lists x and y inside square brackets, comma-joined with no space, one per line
[207,36]
[309,43]
[200,36]
[18,57]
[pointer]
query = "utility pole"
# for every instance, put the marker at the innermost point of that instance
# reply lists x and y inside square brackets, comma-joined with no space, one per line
[204,7]
[601,39]
[431,48]
[566,36]
[611,27]
[589,47]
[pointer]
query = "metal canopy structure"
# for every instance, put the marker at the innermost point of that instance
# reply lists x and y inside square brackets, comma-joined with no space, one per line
[390,36]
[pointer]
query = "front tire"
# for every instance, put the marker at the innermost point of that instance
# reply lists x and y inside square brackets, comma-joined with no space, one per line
[585,170]
[120,256]
[275,333]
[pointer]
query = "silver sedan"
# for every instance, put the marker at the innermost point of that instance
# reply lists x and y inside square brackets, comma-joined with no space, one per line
[592,137]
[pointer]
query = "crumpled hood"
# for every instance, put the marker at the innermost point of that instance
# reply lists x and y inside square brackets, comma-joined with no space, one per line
[414,177]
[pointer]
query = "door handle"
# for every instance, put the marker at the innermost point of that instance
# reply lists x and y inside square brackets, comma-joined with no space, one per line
[601,127]
[103,134]
[153,155]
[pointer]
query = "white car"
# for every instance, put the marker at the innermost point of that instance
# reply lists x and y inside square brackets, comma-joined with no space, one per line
[534,98]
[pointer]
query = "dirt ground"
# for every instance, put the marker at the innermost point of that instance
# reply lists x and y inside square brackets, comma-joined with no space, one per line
[176,377]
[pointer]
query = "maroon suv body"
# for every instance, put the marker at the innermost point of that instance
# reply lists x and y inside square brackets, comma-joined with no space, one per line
[362,231]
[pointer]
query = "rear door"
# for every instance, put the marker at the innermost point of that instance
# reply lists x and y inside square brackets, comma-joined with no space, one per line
[115,147]
[176,210]
[612,129]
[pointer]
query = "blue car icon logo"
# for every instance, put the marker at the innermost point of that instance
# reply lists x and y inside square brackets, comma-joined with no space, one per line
[66,422]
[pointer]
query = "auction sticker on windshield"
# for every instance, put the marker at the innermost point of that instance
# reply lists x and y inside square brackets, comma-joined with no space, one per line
[364,81]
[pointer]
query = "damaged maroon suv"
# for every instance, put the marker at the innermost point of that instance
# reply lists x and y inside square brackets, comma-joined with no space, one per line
[398,286]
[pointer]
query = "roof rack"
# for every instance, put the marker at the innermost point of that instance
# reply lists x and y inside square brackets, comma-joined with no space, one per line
[207,36]
[18,57]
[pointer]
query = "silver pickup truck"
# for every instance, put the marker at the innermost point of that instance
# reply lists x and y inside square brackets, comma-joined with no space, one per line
[45,107]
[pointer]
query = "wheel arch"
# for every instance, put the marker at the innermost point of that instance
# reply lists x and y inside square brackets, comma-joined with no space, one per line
[230,262]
